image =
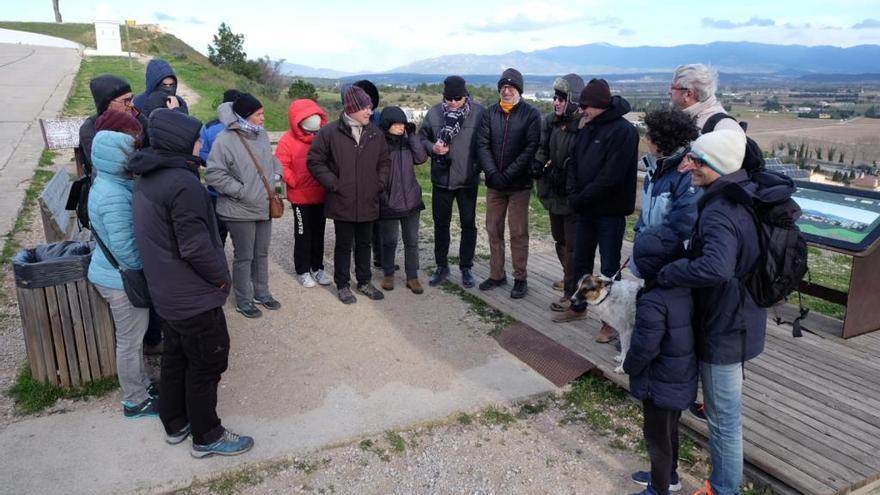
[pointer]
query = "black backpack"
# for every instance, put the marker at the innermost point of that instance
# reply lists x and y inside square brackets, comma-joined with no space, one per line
[782,263]
[753,161]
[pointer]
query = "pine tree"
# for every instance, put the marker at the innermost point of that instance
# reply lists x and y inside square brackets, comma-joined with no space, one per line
[227,48]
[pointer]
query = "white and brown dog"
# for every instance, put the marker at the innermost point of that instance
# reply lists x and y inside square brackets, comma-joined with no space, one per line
[613,302]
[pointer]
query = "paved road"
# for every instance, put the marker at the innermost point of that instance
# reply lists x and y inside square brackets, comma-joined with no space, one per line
[34,83]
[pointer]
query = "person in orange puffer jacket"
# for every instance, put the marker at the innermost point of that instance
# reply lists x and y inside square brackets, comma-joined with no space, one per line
[305,194]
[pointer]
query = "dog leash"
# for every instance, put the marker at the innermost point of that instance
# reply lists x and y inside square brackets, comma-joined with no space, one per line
[613,277]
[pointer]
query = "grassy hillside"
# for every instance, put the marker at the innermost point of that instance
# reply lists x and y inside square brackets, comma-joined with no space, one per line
[192,68]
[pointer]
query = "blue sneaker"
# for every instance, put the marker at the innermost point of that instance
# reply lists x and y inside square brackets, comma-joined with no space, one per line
[439,276]
[644,478]
[149,407]
[178,436]
[649,490]
[467,279]
[228,444]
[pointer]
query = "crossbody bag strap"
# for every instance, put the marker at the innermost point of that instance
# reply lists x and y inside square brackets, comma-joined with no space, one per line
[256,164]
[106,251]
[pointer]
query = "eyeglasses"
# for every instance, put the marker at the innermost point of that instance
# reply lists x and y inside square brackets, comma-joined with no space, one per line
[695,159]
[560,98]
[678,88]
[125,101]
[454,98]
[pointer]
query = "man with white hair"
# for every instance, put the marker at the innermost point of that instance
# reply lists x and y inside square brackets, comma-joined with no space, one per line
[693,91]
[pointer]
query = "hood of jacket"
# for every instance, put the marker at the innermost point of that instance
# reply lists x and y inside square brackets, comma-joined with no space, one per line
[105,88]
[110,153]
[300,110]
[173,131]
[158,69]
[619,107]
[227,116]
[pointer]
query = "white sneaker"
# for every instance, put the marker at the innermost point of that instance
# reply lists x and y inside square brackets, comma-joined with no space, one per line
[306,280]
[322,277]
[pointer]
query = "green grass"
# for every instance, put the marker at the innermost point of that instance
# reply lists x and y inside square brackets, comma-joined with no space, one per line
[464,419]
[395,441]
[487,314]
[32,396]
[494,416]
[80,103]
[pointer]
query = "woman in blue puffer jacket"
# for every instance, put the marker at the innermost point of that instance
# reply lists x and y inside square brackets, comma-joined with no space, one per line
[112,220]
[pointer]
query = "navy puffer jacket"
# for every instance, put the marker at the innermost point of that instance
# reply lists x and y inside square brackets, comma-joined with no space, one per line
[729,327]
[661,361]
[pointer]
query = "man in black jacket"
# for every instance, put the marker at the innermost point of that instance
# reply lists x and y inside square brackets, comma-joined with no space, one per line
[186,270]
[508,138]
[601,185]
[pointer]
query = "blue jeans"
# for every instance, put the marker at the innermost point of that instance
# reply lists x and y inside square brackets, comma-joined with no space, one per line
[722,393]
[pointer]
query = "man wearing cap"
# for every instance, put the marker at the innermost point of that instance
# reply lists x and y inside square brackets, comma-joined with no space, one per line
[558,134]
[448,134]
[350,159]
[729,327]
[601,186]
[509,136]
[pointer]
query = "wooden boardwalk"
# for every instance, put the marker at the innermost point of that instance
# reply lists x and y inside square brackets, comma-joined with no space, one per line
[811,406]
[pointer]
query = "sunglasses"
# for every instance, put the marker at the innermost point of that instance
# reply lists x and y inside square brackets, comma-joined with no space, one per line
[559,98]
[454,98]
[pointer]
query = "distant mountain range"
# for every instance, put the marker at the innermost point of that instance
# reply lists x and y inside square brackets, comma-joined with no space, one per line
[601,58]
[289,69]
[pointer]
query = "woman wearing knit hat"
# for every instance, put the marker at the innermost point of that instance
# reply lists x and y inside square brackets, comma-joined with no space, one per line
[112,221]
[305,193]
[243,201]
[349,158]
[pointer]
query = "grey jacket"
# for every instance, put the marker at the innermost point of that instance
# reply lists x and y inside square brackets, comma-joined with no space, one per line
[232,173]
[460,168]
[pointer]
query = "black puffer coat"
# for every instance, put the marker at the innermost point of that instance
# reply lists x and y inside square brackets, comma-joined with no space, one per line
[606,154]
[506,146]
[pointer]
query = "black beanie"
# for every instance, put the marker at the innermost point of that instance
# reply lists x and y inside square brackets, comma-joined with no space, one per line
[513,78]
[245,105]
[596,94]
[106,88]
[454,86]
[230,95]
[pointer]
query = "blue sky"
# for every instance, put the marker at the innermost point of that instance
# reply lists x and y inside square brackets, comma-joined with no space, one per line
[380,35]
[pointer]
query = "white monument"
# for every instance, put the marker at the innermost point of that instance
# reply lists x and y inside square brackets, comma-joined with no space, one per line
[107,32]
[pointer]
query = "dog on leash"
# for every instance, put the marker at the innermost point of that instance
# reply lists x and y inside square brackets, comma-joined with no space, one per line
[613,302]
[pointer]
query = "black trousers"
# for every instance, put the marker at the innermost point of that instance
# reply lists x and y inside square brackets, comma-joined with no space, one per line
[563,228]
[308,238]
[441,207]
[195,355]
[154,329]
[661,440]
[348,235]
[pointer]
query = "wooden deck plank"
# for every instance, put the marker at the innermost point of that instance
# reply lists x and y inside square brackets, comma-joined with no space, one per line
[811,406]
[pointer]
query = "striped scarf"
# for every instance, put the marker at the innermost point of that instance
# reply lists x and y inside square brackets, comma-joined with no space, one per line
[452,120]
[247,126]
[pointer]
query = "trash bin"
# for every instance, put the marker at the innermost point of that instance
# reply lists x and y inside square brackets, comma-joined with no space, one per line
[68,329]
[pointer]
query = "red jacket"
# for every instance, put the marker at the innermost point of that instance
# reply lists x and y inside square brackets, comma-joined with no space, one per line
[302,188]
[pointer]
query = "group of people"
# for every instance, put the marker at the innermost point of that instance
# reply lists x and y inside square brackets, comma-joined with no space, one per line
[695,321]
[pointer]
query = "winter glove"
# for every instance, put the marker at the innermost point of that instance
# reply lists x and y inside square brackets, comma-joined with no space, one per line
[410,128]
[536,170]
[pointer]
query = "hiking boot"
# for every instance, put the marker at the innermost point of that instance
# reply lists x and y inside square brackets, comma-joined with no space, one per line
[491,283]
[439,276]
[228,444]
[706,489]
[249,310]
[153,350]
[371,291]
[306,280]
[606,334]
[560,285]
[698,409]
[415,286]
[467,279]
[569,315]
[149,407]
[344,294]
[322,278]
[267,302]
[388,283]
[153,390]
[561,305]
[520,289]
[644,478]
[178,436]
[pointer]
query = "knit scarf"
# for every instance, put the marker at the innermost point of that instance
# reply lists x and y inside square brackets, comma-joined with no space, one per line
[507,107]
[247,126]
[453,118]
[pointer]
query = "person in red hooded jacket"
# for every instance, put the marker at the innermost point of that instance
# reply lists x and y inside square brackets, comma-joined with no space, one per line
[304,192]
